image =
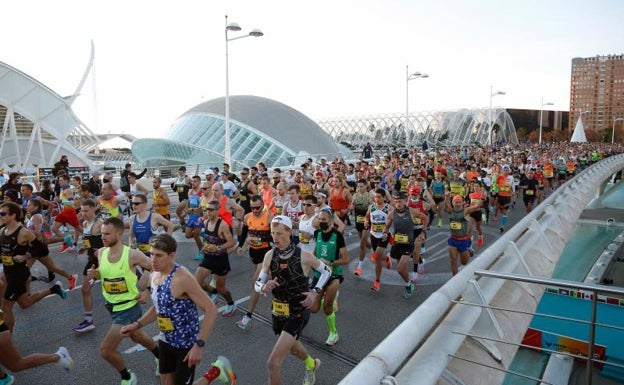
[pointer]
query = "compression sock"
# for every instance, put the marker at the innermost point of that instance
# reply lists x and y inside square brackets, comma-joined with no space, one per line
[125,374]
[331,322]
[504,221]
[309,363]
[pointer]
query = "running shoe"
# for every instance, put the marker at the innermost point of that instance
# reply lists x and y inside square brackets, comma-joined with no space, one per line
[244,322]
[421,266]
[214,297]
[157,371]
[131,381]
[373,257]
[198,257]
[84,326]
[495,218]
[51,276]
[376,286]
[227,375]
[413,277]
[229,311]
[8,380]
[65,360]
[310,375]
[480,241]
[388,261]
[68,240]
[57,289]
[358,271]
[64,248]
[501,229]
[440,222]
[472,253]
[72,281]
[332,339]
[407,294]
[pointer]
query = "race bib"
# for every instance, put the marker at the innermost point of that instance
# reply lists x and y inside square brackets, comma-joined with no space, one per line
[456,225]
[115,285]
[86,243]
[180,189]
[378,227]
[144,247]
[359,219]
[528,192]
[243,198]
[7,260]
[165,324]
[401,238]
[281,309]
[278,210]
[255,243]
[417,220]
[505,189]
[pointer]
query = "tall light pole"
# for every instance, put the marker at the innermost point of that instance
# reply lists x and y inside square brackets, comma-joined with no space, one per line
[408,77]
[541,112]
[613,131]
[492,94]
[232,27]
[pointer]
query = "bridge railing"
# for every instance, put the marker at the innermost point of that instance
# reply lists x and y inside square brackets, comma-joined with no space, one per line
[419,350]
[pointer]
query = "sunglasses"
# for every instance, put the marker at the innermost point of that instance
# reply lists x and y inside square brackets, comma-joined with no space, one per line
[137,203]
[205,188]
[3,213]
[210,209]
[244,173]
[308,204]
[256,207]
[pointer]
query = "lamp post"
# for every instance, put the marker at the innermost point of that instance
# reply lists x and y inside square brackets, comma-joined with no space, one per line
[613,131]
[541,112]
[492,94]
[408,77]
[232,27]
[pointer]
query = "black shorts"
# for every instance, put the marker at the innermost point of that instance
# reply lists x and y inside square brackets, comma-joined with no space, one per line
[16,284]
[340,279]
[504,202]
[476,215]
[437,200]
[292,325]
[378,242]
[218,264]
[417,233]
[529,200]
[562,176]
[91,260]
[399,250]
[257,255]
[39,249]
[171,360]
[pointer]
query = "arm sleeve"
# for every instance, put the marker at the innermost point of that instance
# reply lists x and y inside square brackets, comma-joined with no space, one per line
[262,279]
[243,236]
[325,274]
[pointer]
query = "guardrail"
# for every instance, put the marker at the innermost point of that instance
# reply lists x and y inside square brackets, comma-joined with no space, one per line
[439,326]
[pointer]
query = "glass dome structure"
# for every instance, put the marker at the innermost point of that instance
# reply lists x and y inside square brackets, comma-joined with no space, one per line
[261,130]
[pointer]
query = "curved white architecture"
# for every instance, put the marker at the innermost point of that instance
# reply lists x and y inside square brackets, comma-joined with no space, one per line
[457,128]
[38,125]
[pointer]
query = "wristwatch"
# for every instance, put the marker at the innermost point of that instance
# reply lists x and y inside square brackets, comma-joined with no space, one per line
[317,290]
[200,343]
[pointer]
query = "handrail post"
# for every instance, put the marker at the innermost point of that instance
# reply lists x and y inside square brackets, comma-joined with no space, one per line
[592,336]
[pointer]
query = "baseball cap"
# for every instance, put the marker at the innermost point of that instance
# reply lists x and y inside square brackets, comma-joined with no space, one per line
[458,198]
[399,195]
[283,219]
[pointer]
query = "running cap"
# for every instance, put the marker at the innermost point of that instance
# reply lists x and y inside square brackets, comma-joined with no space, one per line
[283,219]
[458,198]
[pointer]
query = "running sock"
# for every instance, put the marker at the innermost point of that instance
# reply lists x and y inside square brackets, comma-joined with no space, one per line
[125,374]
[89,316]
[360,263]
[309,363]
[504,221]
[331,322]
[249,314]
[156,351]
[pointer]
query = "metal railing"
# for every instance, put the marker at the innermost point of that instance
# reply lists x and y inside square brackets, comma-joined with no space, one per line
[438,327]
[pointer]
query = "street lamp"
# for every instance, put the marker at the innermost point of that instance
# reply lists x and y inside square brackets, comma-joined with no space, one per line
[408,77]
[492,94]
[613,131]
[541,112]
[232,27]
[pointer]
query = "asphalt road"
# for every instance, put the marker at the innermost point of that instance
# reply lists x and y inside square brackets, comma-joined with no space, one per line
[364,319]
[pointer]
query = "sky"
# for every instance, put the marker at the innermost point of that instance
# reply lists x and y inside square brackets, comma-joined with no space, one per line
[154,60]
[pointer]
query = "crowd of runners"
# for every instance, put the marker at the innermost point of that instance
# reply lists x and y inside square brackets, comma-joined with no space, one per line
[292,224]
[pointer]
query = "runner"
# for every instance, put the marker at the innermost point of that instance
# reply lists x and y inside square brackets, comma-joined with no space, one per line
[217,239]
[284,274]
[181,185]
[477,197]
[361,201]
[116,269]
[459,242]
[376,220]
[143,224]
[331,249]
[418,211]
[192,208]
[14,244]
[161,199]
[91,243]
[256,236]
[506,189]
[176,297]
[530,187]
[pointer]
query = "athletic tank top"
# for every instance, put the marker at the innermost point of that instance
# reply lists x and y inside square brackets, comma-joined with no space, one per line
[437,188]
[336,199]
[177,318]
[107,209]
[360,206]
[9,248]
[292,282]
[90,241]
[417,206]
[403,228]
[306,225]
[143,231]
[160,206]
[223,211]
[119,283]
[293,212]
[328,250]
[378,220]
[279,204]
[458,224]
[211,237]
[259,227]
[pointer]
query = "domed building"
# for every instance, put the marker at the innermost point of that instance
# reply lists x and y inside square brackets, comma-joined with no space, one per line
[261,129]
